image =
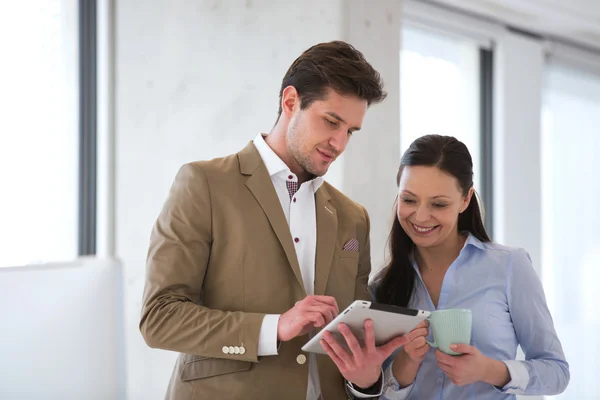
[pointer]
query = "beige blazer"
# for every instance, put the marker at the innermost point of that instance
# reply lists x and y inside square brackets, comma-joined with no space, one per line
[221,256]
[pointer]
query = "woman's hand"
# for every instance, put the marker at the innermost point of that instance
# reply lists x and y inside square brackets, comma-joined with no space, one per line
[407,361]
[472,366]
[417,347]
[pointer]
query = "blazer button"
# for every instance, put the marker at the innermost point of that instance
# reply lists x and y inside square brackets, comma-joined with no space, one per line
[301,359]
[225,350]
[231,350]
[242,349]
[236,350]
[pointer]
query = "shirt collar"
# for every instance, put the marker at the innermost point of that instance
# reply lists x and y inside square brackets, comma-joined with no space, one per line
[272,161]
[275,165]
[471,241]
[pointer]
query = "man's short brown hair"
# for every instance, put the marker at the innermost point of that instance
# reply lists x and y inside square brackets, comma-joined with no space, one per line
[336,65]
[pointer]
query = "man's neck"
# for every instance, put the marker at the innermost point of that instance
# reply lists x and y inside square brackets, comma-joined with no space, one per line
[276,140]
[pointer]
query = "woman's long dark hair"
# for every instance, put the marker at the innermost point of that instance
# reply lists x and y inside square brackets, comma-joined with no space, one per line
[395,284]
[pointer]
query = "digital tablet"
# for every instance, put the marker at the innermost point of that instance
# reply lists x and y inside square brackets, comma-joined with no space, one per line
[388,322]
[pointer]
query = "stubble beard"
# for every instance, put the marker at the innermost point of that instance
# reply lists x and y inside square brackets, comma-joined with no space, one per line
[295,145]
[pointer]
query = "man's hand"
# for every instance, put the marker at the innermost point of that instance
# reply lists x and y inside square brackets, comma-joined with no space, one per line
[362,366]
[310,312]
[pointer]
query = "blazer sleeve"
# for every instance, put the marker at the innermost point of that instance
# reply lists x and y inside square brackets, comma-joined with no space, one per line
[361,291]
[177,261]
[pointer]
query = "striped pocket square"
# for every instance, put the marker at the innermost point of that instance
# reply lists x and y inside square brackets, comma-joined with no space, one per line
[351,245]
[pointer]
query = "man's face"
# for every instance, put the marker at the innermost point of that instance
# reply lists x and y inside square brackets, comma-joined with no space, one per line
[317,135]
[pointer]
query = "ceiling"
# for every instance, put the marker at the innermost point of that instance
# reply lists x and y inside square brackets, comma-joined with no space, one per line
[576,21]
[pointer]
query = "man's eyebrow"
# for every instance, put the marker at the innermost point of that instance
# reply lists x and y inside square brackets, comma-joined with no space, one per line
[334,115]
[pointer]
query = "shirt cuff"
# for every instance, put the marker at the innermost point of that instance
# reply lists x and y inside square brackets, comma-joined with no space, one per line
[391,386]
[519,378]
[267,339]
[359,395]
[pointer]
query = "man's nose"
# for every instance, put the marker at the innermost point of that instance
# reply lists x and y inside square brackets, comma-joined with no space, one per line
[339,140]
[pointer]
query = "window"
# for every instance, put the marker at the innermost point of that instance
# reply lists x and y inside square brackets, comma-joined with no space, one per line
[570,219]
[39,134]
[441,93]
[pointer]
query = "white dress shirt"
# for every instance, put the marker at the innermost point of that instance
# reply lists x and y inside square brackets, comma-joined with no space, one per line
[300,214]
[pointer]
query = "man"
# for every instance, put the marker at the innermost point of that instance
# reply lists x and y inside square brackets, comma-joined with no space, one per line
[253,251]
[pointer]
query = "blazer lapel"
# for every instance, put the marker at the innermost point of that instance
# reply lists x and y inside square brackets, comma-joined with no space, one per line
[259,183]
[327,223]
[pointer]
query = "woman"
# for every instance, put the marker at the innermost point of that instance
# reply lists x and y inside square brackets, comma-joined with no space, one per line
[442,258]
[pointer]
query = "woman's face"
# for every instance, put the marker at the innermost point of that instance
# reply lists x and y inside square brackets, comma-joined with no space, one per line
[429,203]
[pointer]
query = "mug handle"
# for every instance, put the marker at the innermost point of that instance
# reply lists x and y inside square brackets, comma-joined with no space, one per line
[432,344]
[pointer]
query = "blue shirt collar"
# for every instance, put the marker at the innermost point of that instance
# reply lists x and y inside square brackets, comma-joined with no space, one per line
[473,241]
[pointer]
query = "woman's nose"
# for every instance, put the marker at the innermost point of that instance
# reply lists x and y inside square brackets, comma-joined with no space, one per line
[422,213]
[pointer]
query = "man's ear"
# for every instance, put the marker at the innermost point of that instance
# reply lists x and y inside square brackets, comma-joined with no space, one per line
[290,100]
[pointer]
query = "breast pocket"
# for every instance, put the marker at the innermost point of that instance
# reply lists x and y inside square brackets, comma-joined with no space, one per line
[354,255]
[342,277]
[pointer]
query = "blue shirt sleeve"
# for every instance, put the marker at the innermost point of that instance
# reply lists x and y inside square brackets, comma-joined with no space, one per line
[545,370]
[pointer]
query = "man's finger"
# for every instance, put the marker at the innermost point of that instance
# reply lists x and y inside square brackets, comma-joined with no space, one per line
[315,318]
[315,305]
[325,311]
[337,349]
[334,357]
[388,348]
[326,300]
[369,336]
[351,341]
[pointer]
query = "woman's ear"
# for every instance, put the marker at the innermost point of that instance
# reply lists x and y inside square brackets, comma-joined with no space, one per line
[467,200]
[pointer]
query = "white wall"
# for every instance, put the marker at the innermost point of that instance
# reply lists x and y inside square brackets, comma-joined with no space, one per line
[62,331]
[371,161]
[197,80]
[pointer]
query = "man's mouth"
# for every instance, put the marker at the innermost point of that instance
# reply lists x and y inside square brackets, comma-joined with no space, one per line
[327,157]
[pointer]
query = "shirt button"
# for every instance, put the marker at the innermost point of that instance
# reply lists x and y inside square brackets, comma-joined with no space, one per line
[439,380]
[294,199]
[290,177]
[296,240]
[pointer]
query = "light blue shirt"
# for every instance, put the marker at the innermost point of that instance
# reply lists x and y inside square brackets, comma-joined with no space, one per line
[507,301]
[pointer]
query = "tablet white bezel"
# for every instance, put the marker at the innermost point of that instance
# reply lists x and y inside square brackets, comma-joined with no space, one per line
[388,322]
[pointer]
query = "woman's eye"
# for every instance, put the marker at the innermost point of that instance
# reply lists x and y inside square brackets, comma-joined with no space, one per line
[408,201]
[333,124]
[439,205]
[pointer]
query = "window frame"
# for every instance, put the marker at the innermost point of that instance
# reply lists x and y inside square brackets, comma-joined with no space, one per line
[88,141]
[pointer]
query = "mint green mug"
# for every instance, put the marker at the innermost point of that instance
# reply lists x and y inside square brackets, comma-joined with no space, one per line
[451,326]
